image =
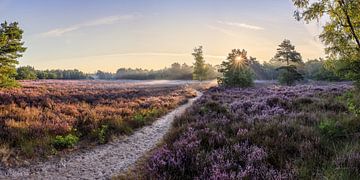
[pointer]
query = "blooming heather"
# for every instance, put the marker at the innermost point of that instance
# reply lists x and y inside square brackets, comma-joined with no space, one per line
[254,133]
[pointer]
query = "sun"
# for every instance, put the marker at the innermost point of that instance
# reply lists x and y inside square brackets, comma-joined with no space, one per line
[239,61]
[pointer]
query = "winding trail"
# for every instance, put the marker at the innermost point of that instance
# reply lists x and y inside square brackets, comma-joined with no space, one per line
[103,161]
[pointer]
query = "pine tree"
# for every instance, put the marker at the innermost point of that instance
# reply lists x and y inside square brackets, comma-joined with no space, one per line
[11,47]
[286,53]
[199,65]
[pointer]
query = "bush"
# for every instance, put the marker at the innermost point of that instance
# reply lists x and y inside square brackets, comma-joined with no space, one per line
[68,141]
[331,128]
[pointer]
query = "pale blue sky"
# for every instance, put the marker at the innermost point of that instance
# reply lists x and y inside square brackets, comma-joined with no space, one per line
[109,34]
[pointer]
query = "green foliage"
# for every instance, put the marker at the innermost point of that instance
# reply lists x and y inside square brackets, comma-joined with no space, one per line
[199,65]
[287,54]
[11,48]
[26,73]
[62,142]
[145,116]
[236,70]
[174,72]
[353,102]
[319,70]
[289,75]
[102,134]
[331,128]
[139,119]
[341,34]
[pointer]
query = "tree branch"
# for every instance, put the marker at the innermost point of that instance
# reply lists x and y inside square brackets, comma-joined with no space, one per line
[348,19]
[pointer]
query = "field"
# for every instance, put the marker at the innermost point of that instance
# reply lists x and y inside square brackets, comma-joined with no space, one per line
[44,118]
[267,132]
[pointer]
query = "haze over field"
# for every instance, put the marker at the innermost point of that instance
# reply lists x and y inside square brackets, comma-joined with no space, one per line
[88,35]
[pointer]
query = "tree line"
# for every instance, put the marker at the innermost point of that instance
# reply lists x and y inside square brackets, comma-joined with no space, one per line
[30,73]
[315,69]
[176,71]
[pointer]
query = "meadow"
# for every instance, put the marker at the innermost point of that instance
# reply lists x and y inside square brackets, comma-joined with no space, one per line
[266,132]
[45,118]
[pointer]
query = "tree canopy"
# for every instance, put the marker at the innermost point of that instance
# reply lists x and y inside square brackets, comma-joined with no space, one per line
[199,65]
[286,53]
[236,70]
[26,73]
[341,33]
[11,48]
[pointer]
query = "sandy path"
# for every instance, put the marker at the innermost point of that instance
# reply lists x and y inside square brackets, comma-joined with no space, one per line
[103,161]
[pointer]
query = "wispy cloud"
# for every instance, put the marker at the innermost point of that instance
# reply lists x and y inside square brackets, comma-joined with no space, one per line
[157,54]
[96,22]
[114,55]
[222,30]
[241,25]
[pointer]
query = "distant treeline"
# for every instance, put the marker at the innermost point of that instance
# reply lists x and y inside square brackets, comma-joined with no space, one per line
[312,69]
[29,73]
[315,69]
[174,72]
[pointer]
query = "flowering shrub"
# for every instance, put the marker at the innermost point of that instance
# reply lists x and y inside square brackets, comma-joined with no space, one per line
[91,110]
[268,132]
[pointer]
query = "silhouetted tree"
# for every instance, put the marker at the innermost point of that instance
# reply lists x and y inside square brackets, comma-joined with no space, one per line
[104,75]
[236,70]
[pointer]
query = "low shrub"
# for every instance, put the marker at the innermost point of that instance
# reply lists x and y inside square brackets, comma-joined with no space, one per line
[33,116]
[331,128]
[62,142]
[294,132]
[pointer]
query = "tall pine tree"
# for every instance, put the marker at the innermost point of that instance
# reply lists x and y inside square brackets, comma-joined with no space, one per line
[199,65]
[11,48]
[286,53]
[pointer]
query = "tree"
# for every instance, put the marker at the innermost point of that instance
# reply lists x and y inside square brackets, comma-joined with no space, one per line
[317,69]
[199,65]
[236,70]
[11,48]
[341,34]
[26,73]
[286,53]
[104,75]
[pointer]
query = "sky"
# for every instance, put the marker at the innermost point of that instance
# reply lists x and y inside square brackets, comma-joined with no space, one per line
[92,35]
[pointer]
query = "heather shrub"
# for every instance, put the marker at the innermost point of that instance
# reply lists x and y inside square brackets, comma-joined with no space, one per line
[62,142]
[274,132]
[212,106]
